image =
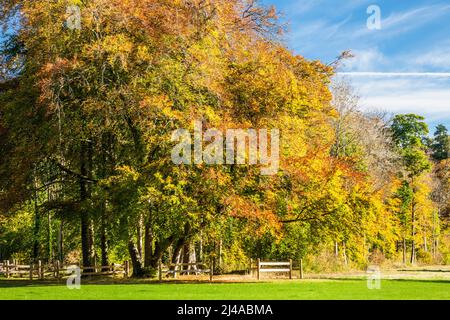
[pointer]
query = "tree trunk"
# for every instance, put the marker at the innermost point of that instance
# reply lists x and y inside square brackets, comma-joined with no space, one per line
[106,168]
[36,226]
[413,233]
[61,241]
[136,261]
[344,251]
[220,253]
[200,249]
[86,230]
[49,237]
[404,251]
[185,238]
[139,236]
[177,252]
[36,235]
[186,254]
[148,244]
[103,238]
[425,243]
[160,248]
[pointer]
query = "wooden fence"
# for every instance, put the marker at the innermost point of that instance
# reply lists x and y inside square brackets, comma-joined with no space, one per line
[56,270]
[275,267]
[186,269]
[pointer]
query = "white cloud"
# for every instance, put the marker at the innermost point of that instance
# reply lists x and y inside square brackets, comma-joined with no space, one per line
[425,95]
[438,57]
[411,19]
[365,60]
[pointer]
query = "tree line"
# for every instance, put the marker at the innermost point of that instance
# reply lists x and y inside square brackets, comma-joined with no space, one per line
[86,117]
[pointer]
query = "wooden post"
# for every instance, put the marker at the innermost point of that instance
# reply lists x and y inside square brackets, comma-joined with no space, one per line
[7,268]
[250,270]
[290,269]
[160,270]
[175,271]
[211,270]
[31,270]
[259,266]
[301,268]
[127,268]
[113,270]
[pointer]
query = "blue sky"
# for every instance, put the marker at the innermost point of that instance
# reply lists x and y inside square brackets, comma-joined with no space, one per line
[402,68]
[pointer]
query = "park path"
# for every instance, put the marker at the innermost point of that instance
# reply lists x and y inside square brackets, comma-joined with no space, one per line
[412,273]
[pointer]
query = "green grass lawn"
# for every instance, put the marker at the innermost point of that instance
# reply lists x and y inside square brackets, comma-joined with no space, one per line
[276,290]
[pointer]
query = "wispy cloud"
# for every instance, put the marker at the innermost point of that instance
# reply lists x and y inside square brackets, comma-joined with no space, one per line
[419,93]
[437,58]
[414,18]
[365,60]
[398,23]
[302,8]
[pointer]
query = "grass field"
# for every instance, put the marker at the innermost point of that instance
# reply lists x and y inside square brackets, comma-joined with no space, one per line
[353,289]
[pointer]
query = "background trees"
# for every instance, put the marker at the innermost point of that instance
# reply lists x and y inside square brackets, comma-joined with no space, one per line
[85,137]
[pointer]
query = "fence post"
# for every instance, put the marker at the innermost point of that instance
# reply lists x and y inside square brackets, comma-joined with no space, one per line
[250,270]
[160,270]
[113,269]
[301,268]
[259,266]
[211,269]
[175,271]
[127,268]
[290,269]
[7,268]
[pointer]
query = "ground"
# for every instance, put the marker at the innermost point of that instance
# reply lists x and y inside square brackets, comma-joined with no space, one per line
[396,284]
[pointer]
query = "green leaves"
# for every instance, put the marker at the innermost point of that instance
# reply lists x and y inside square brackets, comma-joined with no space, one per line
[409,133]
[441,143]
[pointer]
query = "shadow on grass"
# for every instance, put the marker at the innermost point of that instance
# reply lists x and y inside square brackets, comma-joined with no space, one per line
[398,280]
[17,283]
[422,281]
[423,270]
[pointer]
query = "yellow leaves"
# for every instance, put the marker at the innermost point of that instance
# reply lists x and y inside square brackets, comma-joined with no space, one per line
[158,106]
[118,49]
[143,54]
[124,173]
